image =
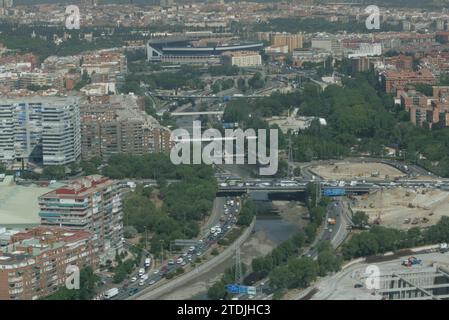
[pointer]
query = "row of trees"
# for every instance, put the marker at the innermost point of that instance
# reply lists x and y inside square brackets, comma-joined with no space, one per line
[187,77]
[220,85]
[184,203]
[152,166]
[381,239]
[247,213]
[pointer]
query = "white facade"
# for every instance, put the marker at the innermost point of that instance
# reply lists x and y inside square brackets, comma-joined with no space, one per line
[61,132]
[243,59]
[50,122]
[7,153]
[367,50]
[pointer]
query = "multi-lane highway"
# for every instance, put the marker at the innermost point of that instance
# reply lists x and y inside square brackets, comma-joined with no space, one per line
[151,278]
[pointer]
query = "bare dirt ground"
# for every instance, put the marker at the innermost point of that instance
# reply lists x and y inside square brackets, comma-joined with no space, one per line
[292,211]
[357,171]
[155,199]
[403,208]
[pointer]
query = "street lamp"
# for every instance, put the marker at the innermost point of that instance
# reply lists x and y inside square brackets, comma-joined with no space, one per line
[162,251]
[146,237]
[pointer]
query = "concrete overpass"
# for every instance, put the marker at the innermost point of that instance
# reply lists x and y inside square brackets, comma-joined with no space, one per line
[193,113]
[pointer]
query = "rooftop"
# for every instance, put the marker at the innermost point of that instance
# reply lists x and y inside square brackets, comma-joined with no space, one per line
[19,204]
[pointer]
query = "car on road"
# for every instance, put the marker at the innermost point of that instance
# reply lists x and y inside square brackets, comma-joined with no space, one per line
[151,282]
[179,261]
[156,271]
[132,291]
[133,279]
[171,262]
[141,282]
[358,285]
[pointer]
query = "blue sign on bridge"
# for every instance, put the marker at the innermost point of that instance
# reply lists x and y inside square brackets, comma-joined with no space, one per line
[233,288]
[237,289]
[334,192]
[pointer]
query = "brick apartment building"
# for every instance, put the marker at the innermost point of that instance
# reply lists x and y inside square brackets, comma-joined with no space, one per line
[427,110]
[400,62]
[362,64]
[34,263]
[122,127]
[90,204]
[399,80]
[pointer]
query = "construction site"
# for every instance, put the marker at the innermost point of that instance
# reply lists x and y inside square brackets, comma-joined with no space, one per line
[346,170]
[418,277]
[403,208]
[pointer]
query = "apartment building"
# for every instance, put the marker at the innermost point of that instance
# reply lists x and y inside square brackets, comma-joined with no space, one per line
[425,110]
[40,128]
[309,55]
[361,64]
[34,263]
[292,41]
[400,62]
[61,134]
[121,126]
[107,61]
[330,44]
[90,204]
[242,59]
[399,80]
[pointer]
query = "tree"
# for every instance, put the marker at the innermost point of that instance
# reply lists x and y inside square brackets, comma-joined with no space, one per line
[217,291]
[297,171]
[360,218]
[89,167]
[257,81]
[328,261]
[54,172]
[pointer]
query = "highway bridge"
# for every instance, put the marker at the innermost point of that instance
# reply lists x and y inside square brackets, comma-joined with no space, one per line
[231,187]
[211,97]
[235,186]
[193,113]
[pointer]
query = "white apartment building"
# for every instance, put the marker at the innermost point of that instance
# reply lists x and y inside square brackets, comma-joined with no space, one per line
[242,59]
[61,131]
[30,123]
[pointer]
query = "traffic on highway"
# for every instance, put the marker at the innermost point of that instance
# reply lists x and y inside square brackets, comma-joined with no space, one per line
[146,278]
